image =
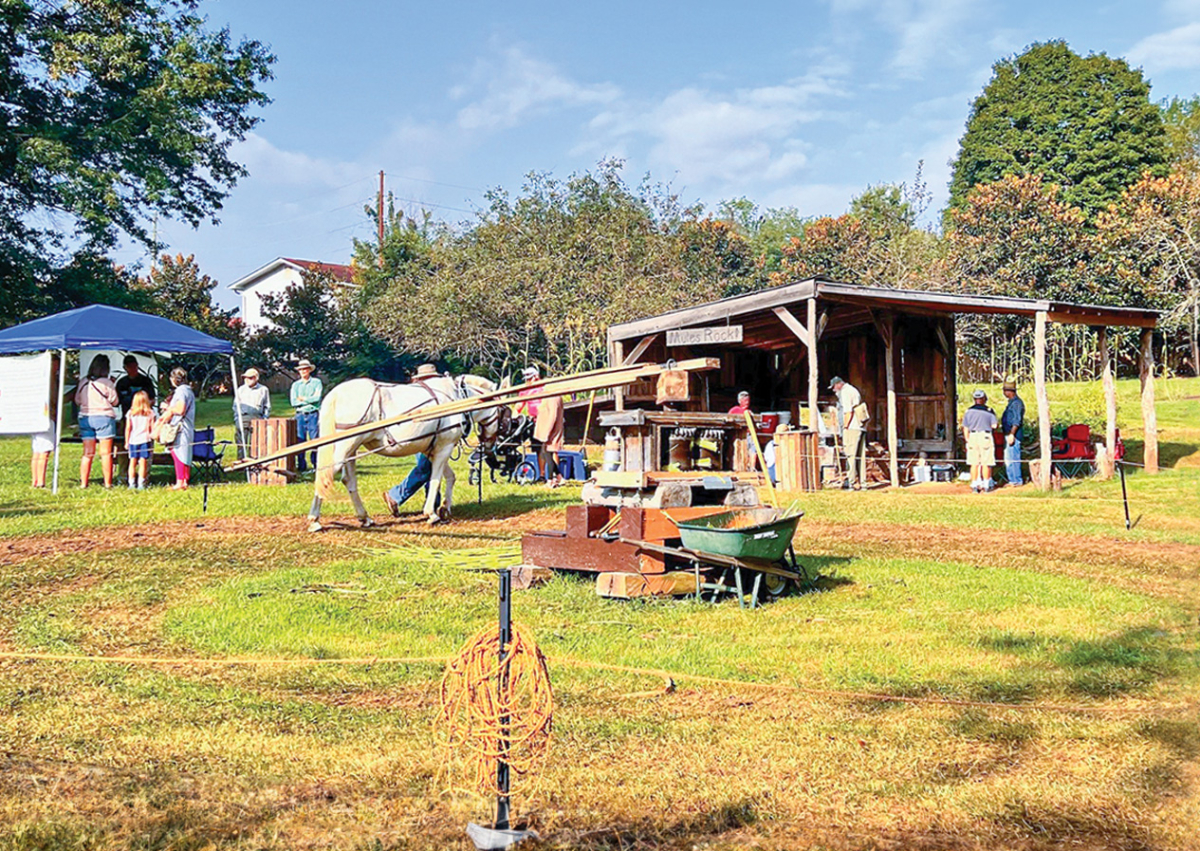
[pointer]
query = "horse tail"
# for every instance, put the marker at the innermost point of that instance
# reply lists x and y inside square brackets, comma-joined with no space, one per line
[325,465]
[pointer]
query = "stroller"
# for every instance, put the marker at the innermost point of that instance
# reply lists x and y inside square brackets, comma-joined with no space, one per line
[506,455]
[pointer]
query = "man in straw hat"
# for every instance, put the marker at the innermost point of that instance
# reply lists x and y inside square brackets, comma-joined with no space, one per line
[1011,424]
[253,402]
[978,423]
[306,399]
[421,472]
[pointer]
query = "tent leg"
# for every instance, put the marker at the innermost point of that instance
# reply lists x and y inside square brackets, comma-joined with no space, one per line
[237,410]
[62,378]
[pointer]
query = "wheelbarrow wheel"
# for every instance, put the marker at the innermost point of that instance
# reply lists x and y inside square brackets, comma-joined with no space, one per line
[773,587]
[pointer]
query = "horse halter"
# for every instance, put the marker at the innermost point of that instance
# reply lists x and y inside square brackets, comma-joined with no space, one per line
[466,391]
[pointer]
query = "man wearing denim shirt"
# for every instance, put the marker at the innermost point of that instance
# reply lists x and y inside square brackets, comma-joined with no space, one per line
[1010,425]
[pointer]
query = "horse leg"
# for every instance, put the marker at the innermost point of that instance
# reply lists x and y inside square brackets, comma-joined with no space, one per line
[350,476]
[448,497]
[314,514]
[440,462]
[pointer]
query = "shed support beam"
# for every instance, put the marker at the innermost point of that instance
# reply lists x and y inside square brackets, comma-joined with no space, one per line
[1149,415]
[638,350]
[1110,404]
[888,324]
[794,324]
[814,416]
[1043,401]
[618,358]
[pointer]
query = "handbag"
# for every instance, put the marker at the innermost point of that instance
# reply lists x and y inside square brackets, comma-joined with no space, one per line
[168,431]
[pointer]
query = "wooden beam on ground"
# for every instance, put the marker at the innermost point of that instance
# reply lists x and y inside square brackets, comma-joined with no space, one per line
[794,325]
[639,349]
[888,323]
[1043,401]
[597,379]
[1110,404]
[1149,414]
[814,415]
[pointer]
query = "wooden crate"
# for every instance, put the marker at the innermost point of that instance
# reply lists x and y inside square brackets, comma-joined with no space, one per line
[267,436]
[798,460]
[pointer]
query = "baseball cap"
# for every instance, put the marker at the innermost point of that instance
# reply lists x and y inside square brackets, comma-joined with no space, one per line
[978,394]
[835,381]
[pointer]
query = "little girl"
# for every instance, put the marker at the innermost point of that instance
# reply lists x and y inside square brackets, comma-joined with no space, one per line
[139,424]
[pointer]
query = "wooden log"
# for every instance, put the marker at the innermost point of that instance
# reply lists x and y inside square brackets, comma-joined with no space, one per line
[1043,401]
[1149,414]
[1110,406]
[655,524]
[590,555]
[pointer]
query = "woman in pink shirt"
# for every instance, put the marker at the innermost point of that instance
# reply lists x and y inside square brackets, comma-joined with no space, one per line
[97,400]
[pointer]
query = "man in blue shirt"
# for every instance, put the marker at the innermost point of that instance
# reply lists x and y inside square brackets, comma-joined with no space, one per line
[1011,425]
[306,399]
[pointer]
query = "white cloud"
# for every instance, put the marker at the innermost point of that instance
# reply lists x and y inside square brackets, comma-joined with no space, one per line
[270,164]
[1177,48]
[518,86]
[924,29]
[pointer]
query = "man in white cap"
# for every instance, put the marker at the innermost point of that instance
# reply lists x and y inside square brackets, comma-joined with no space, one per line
[306,399]
[852,419]
[252,401]
[978,423]
[422,470]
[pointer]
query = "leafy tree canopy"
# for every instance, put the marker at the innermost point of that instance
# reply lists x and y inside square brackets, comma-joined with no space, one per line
[112,111]
[1083,123]
[1181,118]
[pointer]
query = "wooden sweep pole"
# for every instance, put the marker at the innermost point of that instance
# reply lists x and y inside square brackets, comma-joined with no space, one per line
[598,379]
[762,462]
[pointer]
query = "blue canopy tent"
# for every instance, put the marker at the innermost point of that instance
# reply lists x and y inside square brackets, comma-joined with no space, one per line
[99,326]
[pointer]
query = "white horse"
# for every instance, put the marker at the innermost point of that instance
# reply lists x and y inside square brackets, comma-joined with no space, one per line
[361,400]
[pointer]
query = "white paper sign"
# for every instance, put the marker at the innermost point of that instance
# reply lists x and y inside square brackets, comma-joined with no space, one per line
[25,394]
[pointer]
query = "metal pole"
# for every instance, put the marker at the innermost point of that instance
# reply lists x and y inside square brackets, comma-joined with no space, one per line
[62,377]
[237,408]
[1124,493]
[502,779]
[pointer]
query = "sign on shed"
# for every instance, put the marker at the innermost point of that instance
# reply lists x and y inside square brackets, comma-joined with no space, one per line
[702,336]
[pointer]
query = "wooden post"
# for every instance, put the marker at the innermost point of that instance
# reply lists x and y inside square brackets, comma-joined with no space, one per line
[893,440]
[618,359]
[1043,401]
[1110,404]
[1149,415]
[814,416]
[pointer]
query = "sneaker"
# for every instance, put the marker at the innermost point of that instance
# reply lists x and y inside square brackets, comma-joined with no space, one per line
[141,486]
[391,504]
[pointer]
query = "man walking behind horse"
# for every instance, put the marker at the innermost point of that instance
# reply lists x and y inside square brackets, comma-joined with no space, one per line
[306,399]
[421,472]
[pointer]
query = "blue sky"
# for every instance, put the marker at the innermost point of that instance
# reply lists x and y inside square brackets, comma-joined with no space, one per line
[790,104]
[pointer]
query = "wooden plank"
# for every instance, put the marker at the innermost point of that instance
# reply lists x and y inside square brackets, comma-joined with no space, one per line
[618,356]
[584,554]
[621,478]
[1149,414]
[598,379]
[639,349]
[626,586]
[1043,401]
[583,520]
[717,311]
[655,524]
[793,324]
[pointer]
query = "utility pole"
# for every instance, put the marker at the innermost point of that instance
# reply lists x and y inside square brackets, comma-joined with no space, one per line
[380,216]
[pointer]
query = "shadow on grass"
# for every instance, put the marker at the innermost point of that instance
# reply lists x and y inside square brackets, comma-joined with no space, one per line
[686,832]
[1169,453]
[1128,661]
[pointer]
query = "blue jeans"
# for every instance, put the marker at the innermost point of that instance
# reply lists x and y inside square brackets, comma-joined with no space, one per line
[1012,462]
[307,428]
[418,478]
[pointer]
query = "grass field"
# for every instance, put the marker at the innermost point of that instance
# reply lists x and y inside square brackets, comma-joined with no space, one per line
[1048,663]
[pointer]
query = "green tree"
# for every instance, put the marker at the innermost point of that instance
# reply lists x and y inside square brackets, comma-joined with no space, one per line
[305,322]
[1083,123]
[114,111]
[1181,119]
[176,289]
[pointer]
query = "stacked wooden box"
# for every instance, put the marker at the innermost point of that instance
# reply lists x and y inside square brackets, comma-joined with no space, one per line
[798,460]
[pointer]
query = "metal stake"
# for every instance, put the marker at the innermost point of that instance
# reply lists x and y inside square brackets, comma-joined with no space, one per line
[205,510]
[502,779]
[1124,494]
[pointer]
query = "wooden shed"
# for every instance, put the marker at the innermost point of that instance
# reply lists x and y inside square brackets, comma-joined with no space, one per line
[896,346]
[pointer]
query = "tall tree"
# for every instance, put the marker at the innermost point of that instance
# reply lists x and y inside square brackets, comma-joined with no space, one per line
[113,111]
[305,322]
[1181,119]
[1083,123]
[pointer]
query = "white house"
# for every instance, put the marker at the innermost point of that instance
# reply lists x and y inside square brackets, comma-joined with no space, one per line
[274,278]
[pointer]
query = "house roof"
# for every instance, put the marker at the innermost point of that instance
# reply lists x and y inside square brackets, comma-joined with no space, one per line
[758,308]
[337,271]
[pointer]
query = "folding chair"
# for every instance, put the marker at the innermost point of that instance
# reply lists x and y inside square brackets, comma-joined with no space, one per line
[1074,454]
[207,453]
